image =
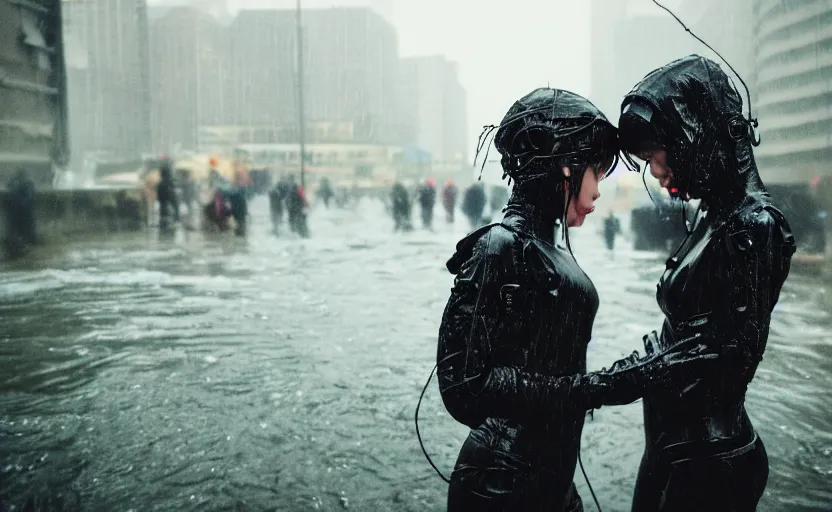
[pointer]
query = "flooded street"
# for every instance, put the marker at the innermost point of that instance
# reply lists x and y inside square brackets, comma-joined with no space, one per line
[218,373]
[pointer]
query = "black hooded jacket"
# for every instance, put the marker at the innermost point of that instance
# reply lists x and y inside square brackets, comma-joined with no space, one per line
[723,281]
[521,311]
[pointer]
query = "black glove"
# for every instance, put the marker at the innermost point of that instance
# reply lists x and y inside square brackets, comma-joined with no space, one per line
[630,378]
[651,343]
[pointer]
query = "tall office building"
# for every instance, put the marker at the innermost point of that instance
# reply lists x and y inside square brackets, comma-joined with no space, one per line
[189,76]
[108,79]
[434,108]
[385,8]
[351,72]
[262,87]
[350,75]
[794,89]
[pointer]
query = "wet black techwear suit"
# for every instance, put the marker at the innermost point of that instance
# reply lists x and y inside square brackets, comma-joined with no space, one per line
[513,338]
[702,453]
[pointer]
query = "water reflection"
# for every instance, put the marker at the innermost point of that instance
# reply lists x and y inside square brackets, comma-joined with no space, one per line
[217,373]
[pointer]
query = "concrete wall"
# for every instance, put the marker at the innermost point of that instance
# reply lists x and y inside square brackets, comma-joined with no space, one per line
[60,214]
[33,131]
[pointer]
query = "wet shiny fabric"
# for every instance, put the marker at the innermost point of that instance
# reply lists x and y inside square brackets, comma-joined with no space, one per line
[491,481]
[734,480]
[523,310]
[722,284]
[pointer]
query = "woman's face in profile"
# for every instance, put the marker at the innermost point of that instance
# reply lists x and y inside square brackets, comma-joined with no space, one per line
[584,204]
[657,159]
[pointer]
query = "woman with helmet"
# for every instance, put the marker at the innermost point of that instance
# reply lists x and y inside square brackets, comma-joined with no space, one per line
[514,334]
[702,453]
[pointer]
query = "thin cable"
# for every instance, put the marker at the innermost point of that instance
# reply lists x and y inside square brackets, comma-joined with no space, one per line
[487,151]
[644,181]
[591,491]
[419,435]
[487,130]
[427,383]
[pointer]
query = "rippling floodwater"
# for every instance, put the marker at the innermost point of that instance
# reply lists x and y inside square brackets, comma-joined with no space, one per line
[216,373]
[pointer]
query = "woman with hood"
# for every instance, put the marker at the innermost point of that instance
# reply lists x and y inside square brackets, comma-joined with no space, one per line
[513,339]
[702,453]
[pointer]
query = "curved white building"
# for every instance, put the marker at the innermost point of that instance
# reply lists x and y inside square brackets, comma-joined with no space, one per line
[794,89]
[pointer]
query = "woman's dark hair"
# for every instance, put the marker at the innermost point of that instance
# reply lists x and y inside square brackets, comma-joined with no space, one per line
[639,130]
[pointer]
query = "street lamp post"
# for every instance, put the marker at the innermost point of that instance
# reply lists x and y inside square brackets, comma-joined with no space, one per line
[301,120]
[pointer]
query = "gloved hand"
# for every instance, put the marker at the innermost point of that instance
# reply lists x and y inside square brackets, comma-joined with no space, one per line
[651,343]
[682,363]
[630,378]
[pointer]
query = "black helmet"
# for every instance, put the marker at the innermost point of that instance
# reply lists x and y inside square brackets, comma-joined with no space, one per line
[551,128]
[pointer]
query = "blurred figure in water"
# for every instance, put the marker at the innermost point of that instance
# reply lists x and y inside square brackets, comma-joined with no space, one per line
[166,195]
[189,197]
[473,204]
[325,192]
[449,196]
[612,227]
[400,208]
[296,205]
[342,197]
[244,182]
[20,211]
[238,200]
[277,195]
[228,201]
[217,212]
[427,202]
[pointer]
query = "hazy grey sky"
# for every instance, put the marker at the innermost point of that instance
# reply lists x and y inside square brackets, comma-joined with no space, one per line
[504,52]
